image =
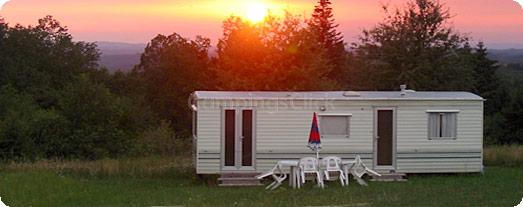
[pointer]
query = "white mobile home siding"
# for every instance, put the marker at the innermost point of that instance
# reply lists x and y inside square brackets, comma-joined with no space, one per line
[282,132]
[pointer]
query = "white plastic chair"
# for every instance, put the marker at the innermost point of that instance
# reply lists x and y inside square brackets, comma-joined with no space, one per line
[278,180]
[309,165]
[277,174]
[333,164]
[359,169]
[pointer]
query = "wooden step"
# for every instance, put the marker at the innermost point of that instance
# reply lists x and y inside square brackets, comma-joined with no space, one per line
[238,174]
[239,184]
[389,177]
[238,179]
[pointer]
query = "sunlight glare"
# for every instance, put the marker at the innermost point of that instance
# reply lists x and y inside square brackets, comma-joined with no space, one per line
[256,11]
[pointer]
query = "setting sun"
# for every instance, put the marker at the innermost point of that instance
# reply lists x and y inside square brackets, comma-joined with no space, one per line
[256,11]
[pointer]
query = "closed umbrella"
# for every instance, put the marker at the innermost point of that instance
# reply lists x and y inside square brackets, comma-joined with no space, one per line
[314,137]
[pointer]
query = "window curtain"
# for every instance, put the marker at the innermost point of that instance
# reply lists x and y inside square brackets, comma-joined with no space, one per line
[434,125]
[334,125]
[449,125]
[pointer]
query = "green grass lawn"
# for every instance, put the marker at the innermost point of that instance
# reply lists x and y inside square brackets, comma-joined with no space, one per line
[499,186]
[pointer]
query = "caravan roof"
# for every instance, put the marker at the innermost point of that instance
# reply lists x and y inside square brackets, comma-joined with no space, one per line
[339,95]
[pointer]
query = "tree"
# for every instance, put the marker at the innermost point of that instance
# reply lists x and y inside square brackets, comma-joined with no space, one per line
[173,67]
[99,124]
[513,120]
[487,83]
[3,30]
[41,59]
[26,130]
[414,46]
[277,54]
[322,26]
[499,106]
[55,102]
[242,57]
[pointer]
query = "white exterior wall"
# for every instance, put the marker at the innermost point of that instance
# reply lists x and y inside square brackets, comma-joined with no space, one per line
[417,154]
[282,133]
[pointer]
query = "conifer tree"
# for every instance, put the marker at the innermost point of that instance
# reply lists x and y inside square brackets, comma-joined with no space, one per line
[323,27]
[486,82]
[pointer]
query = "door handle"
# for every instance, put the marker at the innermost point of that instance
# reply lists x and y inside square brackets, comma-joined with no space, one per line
[377,137]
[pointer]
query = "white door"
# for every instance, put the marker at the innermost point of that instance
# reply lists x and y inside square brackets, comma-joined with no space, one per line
[238,139]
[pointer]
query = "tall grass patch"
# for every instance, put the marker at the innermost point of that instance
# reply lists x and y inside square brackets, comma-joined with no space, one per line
[146,167]
[503,155]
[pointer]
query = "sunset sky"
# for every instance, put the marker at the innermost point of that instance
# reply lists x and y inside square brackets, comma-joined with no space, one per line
[137,21]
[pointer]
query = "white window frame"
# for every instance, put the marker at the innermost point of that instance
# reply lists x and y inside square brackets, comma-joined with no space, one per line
[441,114]
[349,120]
[195,124]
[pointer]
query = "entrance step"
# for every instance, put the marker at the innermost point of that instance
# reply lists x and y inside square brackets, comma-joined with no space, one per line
[238,179]
[389,177]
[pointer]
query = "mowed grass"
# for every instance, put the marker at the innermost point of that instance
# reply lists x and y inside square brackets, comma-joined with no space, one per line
[171,182]
[497,187]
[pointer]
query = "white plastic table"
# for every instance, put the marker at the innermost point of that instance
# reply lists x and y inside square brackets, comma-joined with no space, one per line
[293,166]
[346,165]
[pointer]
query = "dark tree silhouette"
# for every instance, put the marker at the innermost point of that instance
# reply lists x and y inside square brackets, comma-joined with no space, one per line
[323,27]
[415,46]
[487,82]
[278,54]
[173,67]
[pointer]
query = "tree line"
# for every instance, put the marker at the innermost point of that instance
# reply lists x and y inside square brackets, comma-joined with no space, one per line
[55,101]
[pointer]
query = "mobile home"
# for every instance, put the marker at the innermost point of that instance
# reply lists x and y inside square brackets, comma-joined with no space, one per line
[397,131]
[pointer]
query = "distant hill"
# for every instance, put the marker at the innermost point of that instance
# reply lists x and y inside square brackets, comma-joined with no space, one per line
[504,45]
[511,65]
[124,56]
[124,62]
[119,48]
[120,56]
[507,56]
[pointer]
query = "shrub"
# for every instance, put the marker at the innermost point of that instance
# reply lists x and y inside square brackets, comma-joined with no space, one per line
[156,141]
[143,167]
[26,130]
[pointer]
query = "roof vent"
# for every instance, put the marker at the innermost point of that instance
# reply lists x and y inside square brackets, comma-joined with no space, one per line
[351,94]
[403,88]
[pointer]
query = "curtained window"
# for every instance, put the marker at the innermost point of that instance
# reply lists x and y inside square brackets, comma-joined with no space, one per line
[335,125]
[442,125]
